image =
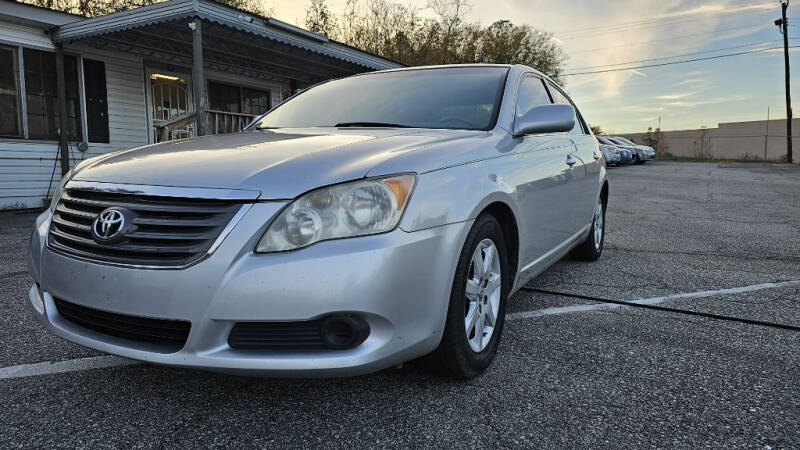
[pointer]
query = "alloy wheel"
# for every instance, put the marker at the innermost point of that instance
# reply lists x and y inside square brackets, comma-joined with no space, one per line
[484,283]
[599,218]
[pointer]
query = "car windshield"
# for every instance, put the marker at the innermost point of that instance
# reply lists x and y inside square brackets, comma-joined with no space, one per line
[456,98]
[617,141]
[625,141]
[605,140]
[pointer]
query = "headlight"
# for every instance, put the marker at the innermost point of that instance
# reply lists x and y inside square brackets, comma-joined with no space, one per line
[59,190]
[345,210]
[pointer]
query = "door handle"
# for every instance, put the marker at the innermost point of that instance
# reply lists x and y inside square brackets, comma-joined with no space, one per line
[570,160]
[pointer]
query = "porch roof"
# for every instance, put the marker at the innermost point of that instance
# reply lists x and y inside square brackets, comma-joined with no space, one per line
[234,41]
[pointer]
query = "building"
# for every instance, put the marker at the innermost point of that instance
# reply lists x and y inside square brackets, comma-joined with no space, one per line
[755,141]
[170,70]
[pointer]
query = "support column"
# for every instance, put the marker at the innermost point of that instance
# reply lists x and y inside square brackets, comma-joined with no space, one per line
[198,77]
[63,119]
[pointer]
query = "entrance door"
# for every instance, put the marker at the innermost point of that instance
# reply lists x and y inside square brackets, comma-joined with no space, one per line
[169,100]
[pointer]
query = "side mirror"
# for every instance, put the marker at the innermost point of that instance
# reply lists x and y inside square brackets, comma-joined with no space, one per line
[545,119]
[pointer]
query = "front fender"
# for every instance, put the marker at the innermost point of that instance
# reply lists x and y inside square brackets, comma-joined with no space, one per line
[458,194]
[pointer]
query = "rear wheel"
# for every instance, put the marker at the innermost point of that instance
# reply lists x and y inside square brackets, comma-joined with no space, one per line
[476,314]
[592,247]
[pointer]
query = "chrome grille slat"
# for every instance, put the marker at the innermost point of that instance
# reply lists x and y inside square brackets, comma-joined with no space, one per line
[170,232]
[74,225]
[172,236]
[176,222]
[61,234]
[73,212]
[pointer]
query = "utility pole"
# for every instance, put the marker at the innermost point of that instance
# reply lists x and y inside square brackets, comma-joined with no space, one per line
[784,25]
[658,136]
[766,136]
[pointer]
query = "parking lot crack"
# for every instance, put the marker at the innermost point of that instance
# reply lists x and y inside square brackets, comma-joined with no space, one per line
[653,303]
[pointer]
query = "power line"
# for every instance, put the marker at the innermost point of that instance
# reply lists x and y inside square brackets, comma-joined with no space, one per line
[638,44]
[648,21]
[619,29]
[678,56]
[678,62]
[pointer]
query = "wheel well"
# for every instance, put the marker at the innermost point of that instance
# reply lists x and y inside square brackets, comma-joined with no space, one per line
[604,193]
[508,223]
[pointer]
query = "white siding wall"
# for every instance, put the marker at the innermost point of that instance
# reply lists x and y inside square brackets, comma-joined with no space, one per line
[26,166]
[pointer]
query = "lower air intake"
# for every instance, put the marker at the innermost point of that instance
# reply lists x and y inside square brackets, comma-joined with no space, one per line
[170,334]
[336,332]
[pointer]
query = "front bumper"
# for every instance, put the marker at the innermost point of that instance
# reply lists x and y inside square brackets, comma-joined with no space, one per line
[399,282]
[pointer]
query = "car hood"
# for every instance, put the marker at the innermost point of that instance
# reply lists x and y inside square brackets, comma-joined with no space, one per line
[281,164]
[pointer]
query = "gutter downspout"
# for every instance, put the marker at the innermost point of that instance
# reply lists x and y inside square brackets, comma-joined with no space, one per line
[61,85]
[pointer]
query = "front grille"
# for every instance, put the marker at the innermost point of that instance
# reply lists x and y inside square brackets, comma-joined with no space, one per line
[276,335]
[168,231]
[171,334]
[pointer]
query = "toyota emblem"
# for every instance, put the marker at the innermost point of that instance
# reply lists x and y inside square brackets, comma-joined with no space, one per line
[108,225]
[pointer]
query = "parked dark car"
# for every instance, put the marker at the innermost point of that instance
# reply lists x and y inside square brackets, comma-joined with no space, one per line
[650,152]
[638,154]
[625,154]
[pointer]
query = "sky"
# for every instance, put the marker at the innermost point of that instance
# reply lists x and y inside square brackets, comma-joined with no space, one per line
[596,33]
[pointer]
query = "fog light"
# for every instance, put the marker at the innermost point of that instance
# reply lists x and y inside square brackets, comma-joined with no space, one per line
[342,331]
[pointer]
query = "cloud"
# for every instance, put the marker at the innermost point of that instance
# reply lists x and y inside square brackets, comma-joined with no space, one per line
[675,96]
[721,8]
[711,101]
[642,109]
[691,81]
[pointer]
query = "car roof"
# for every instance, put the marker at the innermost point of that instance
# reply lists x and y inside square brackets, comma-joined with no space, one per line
[441,66]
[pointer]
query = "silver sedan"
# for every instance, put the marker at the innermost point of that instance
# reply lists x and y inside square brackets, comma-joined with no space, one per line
[365,222]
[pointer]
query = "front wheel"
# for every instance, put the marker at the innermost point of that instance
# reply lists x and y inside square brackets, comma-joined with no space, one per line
[476,314]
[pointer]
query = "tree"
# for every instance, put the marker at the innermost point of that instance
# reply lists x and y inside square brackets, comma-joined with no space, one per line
[94,8]
[596,130]
[397,31]
[320,19]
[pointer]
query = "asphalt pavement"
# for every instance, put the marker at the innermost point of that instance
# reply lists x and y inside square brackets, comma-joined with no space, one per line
[570,371]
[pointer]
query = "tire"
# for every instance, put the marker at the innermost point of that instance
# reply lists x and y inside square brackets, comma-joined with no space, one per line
[462,355]
[637,160]
[591,249]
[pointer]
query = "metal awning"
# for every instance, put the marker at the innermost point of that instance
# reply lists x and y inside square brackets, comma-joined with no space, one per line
[234,41]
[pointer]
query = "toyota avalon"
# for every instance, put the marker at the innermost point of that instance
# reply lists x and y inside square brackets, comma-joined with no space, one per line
[362,223]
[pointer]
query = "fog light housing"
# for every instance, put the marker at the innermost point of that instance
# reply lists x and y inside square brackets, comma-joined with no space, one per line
[343,331]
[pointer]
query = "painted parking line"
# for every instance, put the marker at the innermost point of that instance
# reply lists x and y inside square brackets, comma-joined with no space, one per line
[70,365]
[98,362]
[648,301]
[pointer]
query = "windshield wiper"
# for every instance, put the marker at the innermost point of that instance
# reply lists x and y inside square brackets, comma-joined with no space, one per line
[371,125]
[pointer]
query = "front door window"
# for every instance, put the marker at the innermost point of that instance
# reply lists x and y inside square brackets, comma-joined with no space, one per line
[170,103]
